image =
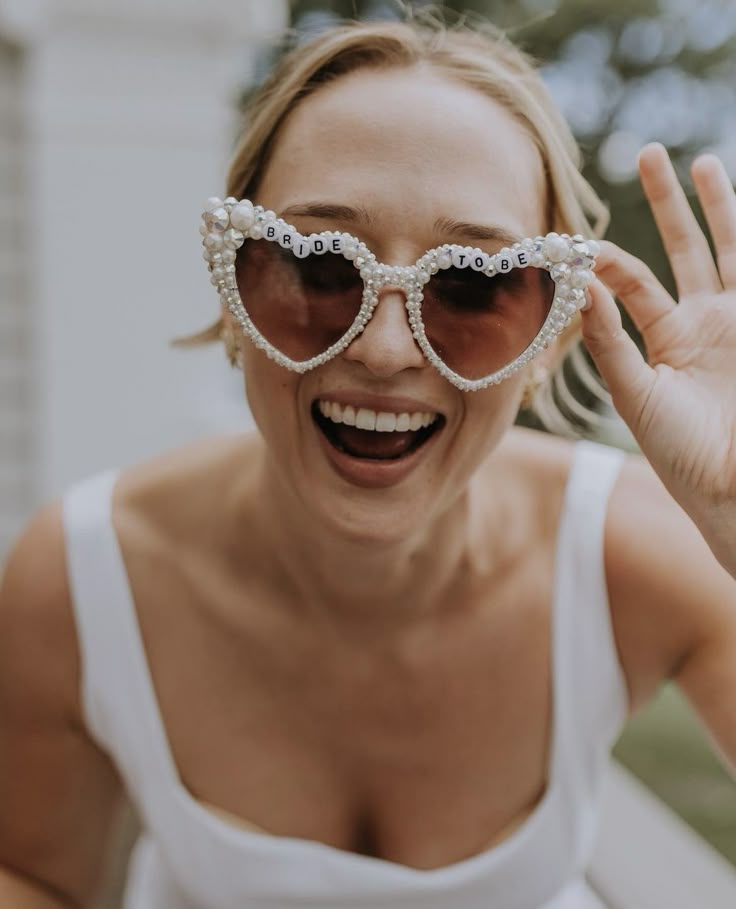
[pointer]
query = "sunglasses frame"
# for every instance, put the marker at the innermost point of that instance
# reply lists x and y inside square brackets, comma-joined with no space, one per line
[227,224]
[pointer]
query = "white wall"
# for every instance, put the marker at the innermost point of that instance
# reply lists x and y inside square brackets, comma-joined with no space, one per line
[131,110]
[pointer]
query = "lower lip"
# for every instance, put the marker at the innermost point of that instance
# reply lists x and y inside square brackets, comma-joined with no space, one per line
[374,474]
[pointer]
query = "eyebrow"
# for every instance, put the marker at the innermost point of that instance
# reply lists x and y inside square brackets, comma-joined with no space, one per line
[447,227]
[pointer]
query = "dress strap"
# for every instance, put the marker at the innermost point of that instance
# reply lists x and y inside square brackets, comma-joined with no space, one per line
[592,685]
[119,709]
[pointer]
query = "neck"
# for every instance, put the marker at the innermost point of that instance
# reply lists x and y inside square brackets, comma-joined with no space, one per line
[366,583]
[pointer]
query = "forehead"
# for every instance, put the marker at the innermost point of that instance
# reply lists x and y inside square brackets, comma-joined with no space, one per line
[409,145]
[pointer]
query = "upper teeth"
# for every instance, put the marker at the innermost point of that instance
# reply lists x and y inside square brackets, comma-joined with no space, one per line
[380,420]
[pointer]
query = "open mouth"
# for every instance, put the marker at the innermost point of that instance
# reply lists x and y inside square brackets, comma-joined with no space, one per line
[375,436]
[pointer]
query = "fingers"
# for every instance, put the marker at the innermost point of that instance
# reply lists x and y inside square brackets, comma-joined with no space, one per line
[618,359]
[635,285]
[684,241]
[719,206]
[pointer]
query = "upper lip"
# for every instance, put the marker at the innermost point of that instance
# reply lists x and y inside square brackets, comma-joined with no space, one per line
[378,403]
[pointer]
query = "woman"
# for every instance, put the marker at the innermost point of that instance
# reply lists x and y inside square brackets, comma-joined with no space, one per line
[377,654]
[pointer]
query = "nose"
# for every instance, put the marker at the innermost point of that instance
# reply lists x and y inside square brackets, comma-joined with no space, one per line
[386,345]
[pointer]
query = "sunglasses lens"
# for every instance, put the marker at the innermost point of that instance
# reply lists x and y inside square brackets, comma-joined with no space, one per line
[301,306]
[478,324]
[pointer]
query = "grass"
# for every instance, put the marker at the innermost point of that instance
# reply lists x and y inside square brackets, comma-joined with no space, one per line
[666,746]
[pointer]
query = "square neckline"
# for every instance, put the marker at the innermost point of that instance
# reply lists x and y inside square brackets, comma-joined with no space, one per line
[242,835]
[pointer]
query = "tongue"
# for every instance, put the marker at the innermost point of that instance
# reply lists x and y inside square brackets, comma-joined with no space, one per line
[366,443]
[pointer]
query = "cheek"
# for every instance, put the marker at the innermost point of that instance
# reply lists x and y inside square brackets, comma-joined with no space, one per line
[270,392]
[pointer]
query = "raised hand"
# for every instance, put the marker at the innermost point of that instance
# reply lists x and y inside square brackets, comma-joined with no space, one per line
[681,404]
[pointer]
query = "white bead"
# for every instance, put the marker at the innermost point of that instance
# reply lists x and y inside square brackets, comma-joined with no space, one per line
[582,278]
[503,262]
[256,232]
[301,247]
[555,247]
[270,231]
[522,257]
[212,203]
[560,272]
[213,241]
[234,238]
[479,260]
[242,215]
[317,244]
[336,243]
[594,248]
[444,259]
[228,256]
[461,257]
[217,219]
[287,239]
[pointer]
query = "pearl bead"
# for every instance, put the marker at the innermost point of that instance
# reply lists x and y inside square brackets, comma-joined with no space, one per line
[256,232]
[594,248]
[555,247]
[213,241]
[582,278]
[444,259]
[217,219]
[228,256]
[212,203]
[242,215]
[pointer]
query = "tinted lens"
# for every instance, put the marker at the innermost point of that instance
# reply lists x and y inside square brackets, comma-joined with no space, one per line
[301,306]
[479,324]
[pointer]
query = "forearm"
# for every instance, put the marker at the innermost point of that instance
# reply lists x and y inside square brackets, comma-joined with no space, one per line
[17,892]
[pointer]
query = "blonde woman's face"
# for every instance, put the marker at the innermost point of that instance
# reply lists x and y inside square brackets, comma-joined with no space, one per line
[391,156]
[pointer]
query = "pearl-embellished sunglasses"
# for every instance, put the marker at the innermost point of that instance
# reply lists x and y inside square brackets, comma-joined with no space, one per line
[477,317]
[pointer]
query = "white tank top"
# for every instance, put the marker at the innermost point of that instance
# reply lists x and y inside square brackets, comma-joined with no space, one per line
[190,857]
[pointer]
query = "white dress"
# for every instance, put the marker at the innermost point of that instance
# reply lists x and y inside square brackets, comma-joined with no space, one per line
[190,857]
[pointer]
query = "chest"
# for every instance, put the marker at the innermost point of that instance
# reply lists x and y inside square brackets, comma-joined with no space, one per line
[424,749]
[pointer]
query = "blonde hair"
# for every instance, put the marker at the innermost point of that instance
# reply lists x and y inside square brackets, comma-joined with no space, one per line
[474,53]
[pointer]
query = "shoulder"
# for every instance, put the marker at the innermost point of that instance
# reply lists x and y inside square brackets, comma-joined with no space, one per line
[39,658]
[666,589]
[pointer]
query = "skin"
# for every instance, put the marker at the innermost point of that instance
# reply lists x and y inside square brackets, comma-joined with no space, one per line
[388,645]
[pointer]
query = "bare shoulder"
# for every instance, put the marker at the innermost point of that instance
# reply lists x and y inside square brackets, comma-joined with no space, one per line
[37,628]
[666,589]
[59,792]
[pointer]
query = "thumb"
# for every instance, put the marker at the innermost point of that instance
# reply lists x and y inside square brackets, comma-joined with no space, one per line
[618,359]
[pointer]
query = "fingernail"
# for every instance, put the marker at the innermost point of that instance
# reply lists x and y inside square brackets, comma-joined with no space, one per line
[588,300]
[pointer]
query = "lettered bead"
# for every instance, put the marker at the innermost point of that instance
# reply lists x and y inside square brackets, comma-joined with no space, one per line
[270,231]
[522,257]
[317,243]
[479,260]
[503,262]
[242,215]
[287,238]
[461,257]
[301,247]
[555,247]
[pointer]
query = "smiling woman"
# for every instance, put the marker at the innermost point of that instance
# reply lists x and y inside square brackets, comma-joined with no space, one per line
[376,653]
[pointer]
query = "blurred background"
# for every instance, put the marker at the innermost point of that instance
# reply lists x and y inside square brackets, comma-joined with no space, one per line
[116,123]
